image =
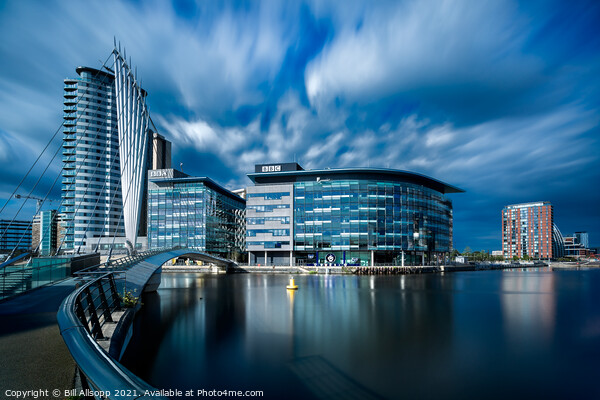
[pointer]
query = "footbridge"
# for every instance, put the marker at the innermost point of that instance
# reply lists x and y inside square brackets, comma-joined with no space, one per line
[90,314]
[95,311]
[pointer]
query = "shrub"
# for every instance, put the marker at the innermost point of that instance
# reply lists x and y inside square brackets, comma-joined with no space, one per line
[129,299]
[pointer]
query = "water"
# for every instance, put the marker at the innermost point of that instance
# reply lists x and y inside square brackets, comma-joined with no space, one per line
[518,334]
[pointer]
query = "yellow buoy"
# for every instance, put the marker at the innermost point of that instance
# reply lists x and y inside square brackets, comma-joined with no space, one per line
[292,285]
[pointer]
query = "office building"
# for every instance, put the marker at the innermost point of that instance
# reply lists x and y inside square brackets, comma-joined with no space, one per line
[194,212]
[350,216]
[528,230]
[48,232]
[583,239]
[577,245]
[92,193]
[14,235]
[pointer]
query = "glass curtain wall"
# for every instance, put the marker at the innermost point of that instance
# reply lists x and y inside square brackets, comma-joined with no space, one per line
[352,218]
[193,215]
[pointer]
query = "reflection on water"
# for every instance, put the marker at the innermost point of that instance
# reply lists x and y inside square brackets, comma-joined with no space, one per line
[529,309]
[493,334]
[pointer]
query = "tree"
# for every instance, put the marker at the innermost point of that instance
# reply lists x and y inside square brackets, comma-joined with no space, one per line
[467,251]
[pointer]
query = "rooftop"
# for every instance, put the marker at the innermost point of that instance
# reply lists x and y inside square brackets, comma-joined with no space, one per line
[353,173]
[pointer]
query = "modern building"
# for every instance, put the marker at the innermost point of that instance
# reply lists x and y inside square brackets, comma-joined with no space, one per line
[577,245]
[14,235]
[48,232]
[194,212]
[92,193]
[350,216]
[582,238]
[528,230]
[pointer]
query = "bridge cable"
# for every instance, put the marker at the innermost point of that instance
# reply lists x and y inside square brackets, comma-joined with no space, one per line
[46,168]
[37,159]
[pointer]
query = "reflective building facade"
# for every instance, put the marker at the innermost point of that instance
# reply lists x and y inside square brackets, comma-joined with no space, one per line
[359,216]
[194,212]
[14,235]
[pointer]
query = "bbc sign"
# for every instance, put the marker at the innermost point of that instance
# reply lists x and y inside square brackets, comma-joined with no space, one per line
[158,173]
[271,168]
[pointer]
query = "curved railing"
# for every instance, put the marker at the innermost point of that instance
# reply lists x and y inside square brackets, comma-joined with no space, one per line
[81,317]
[123,263]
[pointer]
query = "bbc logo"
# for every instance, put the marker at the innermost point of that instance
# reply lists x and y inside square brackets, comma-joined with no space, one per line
[271,168]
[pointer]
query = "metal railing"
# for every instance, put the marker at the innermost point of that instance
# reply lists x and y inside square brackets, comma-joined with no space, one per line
[98,300]
[123,263]
[81,317]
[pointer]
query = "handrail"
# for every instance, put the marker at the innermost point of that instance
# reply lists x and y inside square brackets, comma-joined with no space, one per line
[80,319]
[124,262]
[78,325]
[14,259]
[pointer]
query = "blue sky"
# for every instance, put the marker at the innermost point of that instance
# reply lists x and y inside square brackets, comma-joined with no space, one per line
[500,98]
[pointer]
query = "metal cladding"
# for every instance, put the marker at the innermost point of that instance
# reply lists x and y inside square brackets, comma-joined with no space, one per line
[133,143]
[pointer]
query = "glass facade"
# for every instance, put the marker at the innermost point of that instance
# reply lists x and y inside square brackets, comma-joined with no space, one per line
[191,212]
[15,235]
[351,218]
[48,232]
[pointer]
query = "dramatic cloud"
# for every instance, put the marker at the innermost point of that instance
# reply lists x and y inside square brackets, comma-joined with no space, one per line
[500,98]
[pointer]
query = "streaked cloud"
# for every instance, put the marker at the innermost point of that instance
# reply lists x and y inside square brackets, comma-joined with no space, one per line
[498,97]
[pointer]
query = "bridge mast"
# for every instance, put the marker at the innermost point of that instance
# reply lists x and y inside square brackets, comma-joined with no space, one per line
[133,142]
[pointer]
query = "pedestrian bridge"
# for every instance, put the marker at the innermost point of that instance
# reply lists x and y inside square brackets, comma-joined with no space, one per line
[86,314]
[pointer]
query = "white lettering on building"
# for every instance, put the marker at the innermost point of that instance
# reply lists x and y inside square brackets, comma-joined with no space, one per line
[158,173]
[271,168]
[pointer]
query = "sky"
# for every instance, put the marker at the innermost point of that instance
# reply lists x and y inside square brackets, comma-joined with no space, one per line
[499,98]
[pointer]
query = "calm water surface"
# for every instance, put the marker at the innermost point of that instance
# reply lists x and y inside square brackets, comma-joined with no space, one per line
[527,334]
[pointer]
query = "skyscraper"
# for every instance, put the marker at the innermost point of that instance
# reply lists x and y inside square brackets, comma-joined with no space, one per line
[92,193]
[92,198]
[527,230]
[47,232]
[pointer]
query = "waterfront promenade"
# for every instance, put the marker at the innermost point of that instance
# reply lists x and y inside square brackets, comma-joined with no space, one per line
[34,355]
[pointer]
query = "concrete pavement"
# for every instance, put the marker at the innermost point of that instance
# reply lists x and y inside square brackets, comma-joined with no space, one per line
[32,352]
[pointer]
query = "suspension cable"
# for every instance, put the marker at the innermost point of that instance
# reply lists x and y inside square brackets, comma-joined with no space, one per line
[46,168]
[87,154]
[38,158]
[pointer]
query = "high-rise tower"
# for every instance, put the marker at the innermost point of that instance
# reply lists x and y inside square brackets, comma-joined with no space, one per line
[92,154]
[527,230]
[92,197]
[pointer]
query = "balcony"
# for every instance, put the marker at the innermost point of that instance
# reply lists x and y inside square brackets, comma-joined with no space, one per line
[69,138]
[70,130]
[69,174]
[70,87]
[69,122]
[70,115]
[70,101]
[70,95]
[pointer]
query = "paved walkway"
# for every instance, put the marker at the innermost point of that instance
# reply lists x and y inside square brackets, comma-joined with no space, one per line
[32,352]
